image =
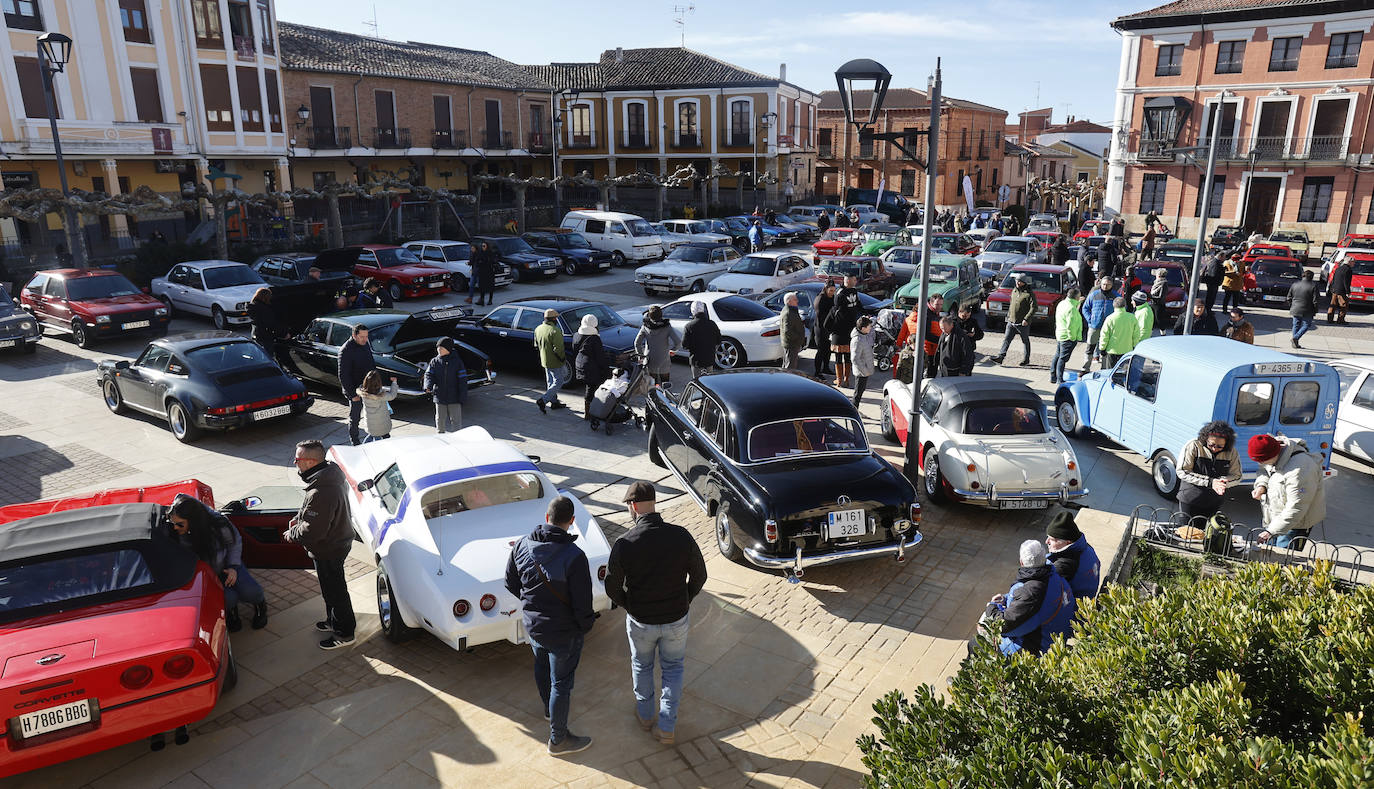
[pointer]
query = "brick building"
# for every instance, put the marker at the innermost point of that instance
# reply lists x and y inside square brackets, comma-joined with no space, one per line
[433,112]
[1291,85]
[971,137]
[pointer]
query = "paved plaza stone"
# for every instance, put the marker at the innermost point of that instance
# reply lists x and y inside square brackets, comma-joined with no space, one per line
[780,677]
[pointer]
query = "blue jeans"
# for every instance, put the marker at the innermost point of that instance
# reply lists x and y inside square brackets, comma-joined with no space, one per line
[553,675]
[245,589]
[670,642]
[1062,351]
[1302,326]
[555,377]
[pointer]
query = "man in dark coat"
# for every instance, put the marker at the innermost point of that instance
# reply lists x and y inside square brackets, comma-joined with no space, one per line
[954,352]
[446,380]
[1204,321]
[1086,278]
[1302,306]
[550,575]
[1038,605]
[355,361]
[1071,555]
[483,263]
[700,337]
[322,527]
[262,315]
[1212,275]
[1338,292]
[823,222]
[373,296]
[793,333]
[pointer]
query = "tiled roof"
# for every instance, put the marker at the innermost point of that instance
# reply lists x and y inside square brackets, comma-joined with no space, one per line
[1076,127]
[901,99]
[316,49]
[650,67]
[1249,9]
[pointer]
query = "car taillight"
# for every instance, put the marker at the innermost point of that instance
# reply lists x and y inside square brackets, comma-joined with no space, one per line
[178,666]
[974,484]
[915,512]
[770,530]
[771,333]
[1073,483]
[601,573]
[135,677]
[487,602]
[1072,465]
[461,608]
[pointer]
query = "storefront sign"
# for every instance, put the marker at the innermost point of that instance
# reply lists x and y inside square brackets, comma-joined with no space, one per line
[27,180]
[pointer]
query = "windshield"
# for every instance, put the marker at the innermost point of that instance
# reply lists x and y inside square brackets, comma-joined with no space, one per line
[387,258]
[1363,267]
[455,253]
[753,264]
[794,438]
[604,317]
[229,276]
[902,255]
[1277,269]
[841,267]
[1282,237]
[659,228]
[639,228]
[1002,420]
[737,224]
[1004,245]
[1147,274]
[511,246]
[947,242]
[690,254]
[228,356]
[943,273]
[1361,243]
[836,235]
[108,287]
[471,494]
[1039,281]
[571,241]
[880,235]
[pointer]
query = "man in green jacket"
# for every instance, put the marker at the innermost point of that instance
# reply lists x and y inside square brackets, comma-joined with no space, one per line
[1068,332]
[1120,333]
[553,357]
[1019,314]
[1144,315]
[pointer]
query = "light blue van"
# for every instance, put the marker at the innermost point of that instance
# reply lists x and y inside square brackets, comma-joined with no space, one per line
[1158,396]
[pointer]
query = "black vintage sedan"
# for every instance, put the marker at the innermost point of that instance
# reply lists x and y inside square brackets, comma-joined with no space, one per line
[18,329]
[572,249]
[402,345]
[212,380]
[506,334]
[781,462]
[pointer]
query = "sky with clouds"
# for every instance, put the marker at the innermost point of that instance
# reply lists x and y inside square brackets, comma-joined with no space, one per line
[1005,53]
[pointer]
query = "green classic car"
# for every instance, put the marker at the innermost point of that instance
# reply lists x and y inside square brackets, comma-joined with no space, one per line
[879,238]
[953,276]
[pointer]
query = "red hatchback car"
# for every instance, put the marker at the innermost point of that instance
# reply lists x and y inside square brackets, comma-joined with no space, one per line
[1093,227]
[110,632]
[399,270]
[1049,283]
[837,241]
[92,304]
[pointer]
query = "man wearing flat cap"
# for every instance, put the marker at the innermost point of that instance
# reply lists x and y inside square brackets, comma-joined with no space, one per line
[654,571]
[1073,558]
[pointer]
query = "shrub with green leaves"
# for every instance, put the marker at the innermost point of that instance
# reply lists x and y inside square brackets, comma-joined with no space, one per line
[1265,679]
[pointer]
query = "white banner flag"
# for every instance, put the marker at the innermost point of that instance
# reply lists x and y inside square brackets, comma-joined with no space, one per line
[968,193]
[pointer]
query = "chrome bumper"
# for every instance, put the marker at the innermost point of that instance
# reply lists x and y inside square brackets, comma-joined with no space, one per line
[794,563]
[992,495]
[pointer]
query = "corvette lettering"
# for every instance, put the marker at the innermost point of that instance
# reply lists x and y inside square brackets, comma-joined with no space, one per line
[66,696]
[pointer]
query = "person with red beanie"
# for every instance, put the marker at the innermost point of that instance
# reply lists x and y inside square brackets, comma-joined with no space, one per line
[1290,488]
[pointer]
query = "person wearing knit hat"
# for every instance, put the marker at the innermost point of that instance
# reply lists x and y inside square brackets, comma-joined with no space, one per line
[1144,315]
[446,380]
[1071,555]
[589,363]
[1290,488]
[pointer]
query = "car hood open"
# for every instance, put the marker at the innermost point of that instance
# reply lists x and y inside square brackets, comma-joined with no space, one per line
[429,325]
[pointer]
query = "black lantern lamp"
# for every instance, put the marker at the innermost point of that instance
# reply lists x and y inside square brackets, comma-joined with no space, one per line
[57,50]
[856,76]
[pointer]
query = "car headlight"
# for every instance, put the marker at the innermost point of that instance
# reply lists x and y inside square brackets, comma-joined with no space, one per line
[745,291]
[160,311]
[1173,304]
[241,306]
[102,319]
[712,287]
[679,280]
[26,325]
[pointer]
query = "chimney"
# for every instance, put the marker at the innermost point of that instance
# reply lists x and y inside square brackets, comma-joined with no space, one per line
[782,73]
[620,54]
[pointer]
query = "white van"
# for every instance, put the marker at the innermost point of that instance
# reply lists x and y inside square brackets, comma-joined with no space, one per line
[626,236]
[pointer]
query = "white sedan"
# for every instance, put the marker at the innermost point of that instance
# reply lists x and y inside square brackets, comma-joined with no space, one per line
[698,229]
[1355,416]
[687,268]
[985,440]
[763,272]
[441,513]
[670,239]
[750,333]
[217,289]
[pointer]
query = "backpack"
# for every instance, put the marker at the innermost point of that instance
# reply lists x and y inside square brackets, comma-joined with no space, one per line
[1216,537]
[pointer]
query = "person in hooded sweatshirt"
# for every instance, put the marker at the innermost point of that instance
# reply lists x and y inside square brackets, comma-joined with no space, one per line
[1290,488]
[700,337]
[1144,315]
[1071,555]
[656,342]
[1120,333]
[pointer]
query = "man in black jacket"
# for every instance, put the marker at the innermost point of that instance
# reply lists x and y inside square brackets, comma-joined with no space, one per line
[700,337]
[1302,306]
[446,380]
[1204,321]
[1212,274]
[550,575]
[1338,292]
[954,353]
[654,571]
[322,527]
[355,361]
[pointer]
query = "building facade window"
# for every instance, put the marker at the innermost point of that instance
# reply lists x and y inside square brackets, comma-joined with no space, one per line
[384,101]
[273,100]
[1230,57]
[580,125]
[205,19]
[1283,53]
[959,185]
[687,123]
[31,89]
[241,28]
[636,125]
[1315,204]
[741,117]
[134,17]
[250,99]
[265,27]
[1344,50]
[219,107]
[1169,60]
[1214,205]
[147,96]
[909,182]
[1152,189]
[443,122]
[22,15]
[322,178]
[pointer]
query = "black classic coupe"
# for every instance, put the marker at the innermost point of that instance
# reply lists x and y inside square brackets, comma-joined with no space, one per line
[781,462]
[211,380]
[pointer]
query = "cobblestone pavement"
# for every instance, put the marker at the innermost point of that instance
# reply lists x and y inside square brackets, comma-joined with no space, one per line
[780,677]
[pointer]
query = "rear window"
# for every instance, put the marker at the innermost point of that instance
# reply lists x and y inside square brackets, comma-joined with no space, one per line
[229,356]
[1299,404]
[472,494]
[734,308]
[1254,403]
[795,438]
[1003,420]
[230,276]
[64,578]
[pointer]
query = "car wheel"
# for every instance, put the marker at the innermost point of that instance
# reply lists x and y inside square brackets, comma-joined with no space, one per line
[180,422]
[458,283]
[217,317]
[730,354]
[80,336]
[725,535]
[570,267]
[395,290]
[113,399]
[655,456]
[231,669]
[617,258]
[932,479]
[1067,414]
[393,626]
[1164,473]
[698,286]
[889,428]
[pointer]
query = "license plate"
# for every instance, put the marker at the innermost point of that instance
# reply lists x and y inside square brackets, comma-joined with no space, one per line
[1024,504]
[1274,298]
[33,724]
[136,325]
[603,265]
[8,343]
[846,523]
[268,413]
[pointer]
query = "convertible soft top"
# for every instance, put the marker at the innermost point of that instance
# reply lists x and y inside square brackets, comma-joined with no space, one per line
[966,389]
[76,530]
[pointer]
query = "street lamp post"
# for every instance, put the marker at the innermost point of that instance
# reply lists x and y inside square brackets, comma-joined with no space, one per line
[1204,213]
[766,121]
[54,51]
[864,74]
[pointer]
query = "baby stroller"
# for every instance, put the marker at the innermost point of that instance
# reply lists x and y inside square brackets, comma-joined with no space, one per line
[886,328]
[610,404]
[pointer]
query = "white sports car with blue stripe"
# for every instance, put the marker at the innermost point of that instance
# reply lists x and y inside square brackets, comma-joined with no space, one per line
[441,514]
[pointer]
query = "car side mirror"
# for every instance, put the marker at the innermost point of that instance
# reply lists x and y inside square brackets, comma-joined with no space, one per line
[366,485]
[122,365]
[666,386]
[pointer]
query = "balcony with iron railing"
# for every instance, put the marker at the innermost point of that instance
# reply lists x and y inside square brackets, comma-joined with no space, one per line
[826,150]
[245,48]
[497,140]
[1319,148]
[450,139]
[637,140]
[577,141]
[328,137]
[866,149]
[390,137]
[686,140]
[736,138]
[539,142]
[964,153]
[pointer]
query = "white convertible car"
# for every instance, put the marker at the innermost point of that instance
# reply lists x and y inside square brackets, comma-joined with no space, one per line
[986,440]
[441,513]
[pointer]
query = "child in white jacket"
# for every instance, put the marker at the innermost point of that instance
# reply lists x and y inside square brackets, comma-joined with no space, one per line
[376,408]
